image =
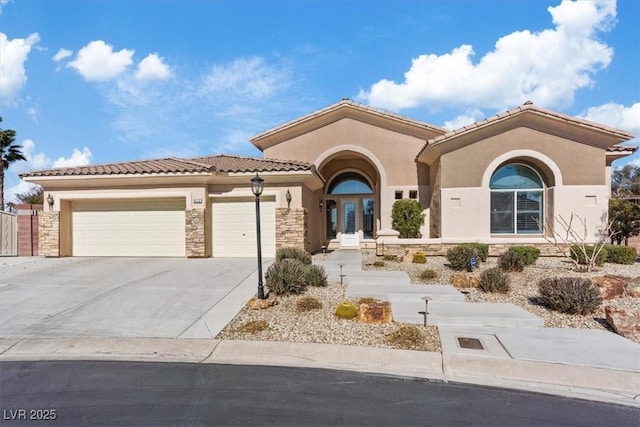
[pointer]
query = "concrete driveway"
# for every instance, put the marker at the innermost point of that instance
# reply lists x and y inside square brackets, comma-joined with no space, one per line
[122,297]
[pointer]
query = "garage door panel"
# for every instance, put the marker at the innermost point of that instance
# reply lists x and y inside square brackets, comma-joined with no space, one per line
[234,227]
[129,228]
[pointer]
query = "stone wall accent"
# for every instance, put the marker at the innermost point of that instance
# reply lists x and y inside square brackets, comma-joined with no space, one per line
[435,206]
[291,228]
[195,233]
[49,233]
[406,251]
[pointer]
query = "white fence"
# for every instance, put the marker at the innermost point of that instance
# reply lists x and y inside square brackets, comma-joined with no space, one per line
[8,234]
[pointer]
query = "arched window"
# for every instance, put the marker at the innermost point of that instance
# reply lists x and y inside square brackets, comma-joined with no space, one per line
[516,200]
[350,183]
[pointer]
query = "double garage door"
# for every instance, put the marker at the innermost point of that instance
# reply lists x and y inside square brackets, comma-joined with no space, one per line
[157,227]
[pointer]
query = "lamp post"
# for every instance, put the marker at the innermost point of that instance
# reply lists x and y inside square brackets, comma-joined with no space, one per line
[257,185]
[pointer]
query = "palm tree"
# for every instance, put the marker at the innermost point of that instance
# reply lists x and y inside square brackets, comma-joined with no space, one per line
[9,153]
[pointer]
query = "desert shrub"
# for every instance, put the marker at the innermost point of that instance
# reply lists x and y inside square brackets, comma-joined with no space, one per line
[419,258]
[378,263]
[315,275]
[572,295]
[407,218]
[346,310]
[287,276]
[254,326]
[293,253]
[494,280]
[366,300]
[619,254]
[576,254]
[407,337]
[529,254]
[459,257]
[482,248]
[390,257]
[428,274]
[510,261]
[308,303]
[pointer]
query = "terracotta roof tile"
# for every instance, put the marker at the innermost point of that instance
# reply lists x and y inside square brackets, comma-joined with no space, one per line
[210,164]
[619,148]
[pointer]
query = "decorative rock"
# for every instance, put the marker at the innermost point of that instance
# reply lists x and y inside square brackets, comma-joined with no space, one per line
[375,312]
[633,287]
[623,323]
[260,304]
[465,280]
[611,286]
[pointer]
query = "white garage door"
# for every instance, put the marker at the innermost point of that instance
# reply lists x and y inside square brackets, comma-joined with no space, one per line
[129,228]
[234,227]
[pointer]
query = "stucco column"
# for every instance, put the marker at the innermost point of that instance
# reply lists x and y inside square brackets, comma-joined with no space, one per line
[49,233]
[195,240]
[291,228]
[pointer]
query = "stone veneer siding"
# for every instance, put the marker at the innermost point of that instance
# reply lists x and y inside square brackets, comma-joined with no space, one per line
[440,249]
[49,233]
[291,228]
[195,240]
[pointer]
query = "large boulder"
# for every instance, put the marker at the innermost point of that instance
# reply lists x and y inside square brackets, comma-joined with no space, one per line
[374,311]
[465,280]
[611,286]
[623,322]
[633,287]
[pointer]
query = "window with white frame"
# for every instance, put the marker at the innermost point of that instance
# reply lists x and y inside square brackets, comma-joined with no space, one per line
[517,196]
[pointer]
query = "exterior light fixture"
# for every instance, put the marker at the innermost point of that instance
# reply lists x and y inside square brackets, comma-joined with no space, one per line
[257,185]
[321,204]
[50,201]
[288,197]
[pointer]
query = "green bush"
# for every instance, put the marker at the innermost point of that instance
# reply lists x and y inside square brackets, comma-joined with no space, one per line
[528,254]
[576,254]
[510,261]
[494,280]
[419,258]
[619,254]
[407,218]
[293,253]
[482,248]
[572,295]
[428,274]
[346,310]
[459,257]
[315,275]
[287,276]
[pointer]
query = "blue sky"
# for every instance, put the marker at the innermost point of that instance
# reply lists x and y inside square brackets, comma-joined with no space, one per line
[98,81]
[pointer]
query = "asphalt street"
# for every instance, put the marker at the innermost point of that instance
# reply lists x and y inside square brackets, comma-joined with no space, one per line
[86,393]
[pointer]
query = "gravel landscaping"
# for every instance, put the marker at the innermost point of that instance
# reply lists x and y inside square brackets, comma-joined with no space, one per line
[285,323]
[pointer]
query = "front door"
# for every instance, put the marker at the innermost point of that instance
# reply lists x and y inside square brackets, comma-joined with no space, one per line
[350,236]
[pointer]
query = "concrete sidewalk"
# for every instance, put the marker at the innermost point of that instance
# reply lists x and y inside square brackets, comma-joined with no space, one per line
[497,366]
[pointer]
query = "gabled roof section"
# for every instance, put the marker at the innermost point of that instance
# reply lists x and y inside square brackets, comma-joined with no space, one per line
[535,117]
[172,165]
[345,109]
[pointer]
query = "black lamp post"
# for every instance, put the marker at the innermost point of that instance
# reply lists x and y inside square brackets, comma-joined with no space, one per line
[257,185]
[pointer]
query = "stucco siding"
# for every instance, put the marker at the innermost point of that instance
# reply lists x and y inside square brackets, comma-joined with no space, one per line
[580,164]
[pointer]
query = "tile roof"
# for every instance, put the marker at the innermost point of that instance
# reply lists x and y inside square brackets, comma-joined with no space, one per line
[619,148]
[172,165]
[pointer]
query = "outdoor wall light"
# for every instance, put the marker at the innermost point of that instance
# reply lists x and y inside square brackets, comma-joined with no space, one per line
[257,185]
[50,201]
[288,197]
[321,204]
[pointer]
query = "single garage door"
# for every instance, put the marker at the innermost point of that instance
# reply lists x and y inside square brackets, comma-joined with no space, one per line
[129,228]
[234,227]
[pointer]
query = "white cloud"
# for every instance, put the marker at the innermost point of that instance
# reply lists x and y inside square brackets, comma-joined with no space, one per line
[62,54]
[78,158]
[34,160]
[98,62]
[20,188]
[13,76]
[616,115]
[245,76]
[470,116]
[547,67]
[2,4]
[153,68]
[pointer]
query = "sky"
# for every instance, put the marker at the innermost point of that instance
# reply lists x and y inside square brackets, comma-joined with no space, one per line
[100,81]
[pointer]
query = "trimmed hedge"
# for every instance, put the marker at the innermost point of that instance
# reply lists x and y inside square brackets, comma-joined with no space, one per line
[619,254]
[528,254]
[511,261]
[576,254]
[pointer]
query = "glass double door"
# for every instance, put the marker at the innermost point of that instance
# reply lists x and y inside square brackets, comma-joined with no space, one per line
[350,215]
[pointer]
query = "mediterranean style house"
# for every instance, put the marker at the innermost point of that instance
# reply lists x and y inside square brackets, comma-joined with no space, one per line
[331,178]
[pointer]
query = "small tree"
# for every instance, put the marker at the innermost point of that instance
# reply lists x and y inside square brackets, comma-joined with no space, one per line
[10,152]
[625,220]
[407,218]
[35,196]
[625,181]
